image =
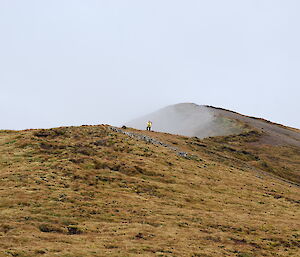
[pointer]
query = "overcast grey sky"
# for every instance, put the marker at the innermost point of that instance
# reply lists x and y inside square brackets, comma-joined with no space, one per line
[72,62]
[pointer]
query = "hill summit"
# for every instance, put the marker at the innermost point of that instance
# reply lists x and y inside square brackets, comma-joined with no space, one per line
[189,119]
[107,191]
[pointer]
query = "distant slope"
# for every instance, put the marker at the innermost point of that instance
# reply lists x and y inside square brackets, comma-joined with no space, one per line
[274,133]
[189,119]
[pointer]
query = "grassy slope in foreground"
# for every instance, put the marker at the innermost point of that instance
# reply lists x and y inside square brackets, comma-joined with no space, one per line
[89,191]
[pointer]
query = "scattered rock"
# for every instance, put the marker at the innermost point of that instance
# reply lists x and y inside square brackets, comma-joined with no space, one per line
[151,141]
[183,154]
[42,133]
[74,230]
[50,229]
[139,236]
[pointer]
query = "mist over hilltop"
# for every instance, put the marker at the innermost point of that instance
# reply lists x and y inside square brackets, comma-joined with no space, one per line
[187,119]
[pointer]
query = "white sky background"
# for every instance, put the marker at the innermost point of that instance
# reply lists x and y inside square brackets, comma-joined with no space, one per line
[73,62]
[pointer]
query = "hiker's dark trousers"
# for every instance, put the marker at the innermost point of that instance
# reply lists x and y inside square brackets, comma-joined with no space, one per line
[149,128]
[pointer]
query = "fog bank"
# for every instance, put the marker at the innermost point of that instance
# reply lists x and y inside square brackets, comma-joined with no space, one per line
[186,119]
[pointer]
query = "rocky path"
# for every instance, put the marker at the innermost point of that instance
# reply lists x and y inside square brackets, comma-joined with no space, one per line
[152,141]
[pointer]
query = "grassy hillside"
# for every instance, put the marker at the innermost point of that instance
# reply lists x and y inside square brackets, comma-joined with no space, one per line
[92,191]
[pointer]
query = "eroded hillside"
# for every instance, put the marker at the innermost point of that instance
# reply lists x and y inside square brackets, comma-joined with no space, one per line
[202,121]
[93,191]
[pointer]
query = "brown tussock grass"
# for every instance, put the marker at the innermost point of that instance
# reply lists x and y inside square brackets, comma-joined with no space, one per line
[89,191]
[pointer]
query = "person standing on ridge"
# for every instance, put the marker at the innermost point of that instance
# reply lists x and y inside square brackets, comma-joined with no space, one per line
[149,125]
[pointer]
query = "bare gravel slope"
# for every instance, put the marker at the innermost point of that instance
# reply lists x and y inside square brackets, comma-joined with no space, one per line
[189,119]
